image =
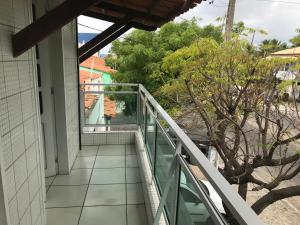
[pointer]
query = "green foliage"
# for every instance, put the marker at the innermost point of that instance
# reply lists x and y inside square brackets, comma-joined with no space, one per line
[215,72]
[271,45]
[296,40]
[139,56]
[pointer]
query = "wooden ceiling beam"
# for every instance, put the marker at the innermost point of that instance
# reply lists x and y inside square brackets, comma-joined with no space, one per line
[103,43]
[147,13]
[118,11]
[89,47]
[114,19]
[50,22]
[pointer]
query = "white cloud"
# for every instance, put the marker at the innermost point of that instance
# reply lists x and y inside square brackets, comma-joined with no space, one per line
[279,18]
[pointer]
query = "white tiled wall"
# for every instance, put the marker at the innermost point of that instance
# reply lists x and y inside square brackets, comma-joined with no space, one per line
[19,119]
[108,138]
[71,90]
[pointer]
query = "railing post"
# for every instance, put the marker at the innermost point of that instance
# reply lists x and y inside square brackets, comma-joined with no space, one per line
[177,182]
[138,107]
[145,122]
[155,149]
[82,110]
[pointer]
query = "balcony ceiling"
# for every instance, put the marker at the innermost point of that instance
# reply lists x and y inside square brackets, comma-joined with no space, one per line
[143,14]
[148,14]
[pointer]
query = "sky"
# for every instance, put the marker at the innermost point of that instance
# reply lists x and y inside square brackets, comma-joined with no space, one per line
[280,18]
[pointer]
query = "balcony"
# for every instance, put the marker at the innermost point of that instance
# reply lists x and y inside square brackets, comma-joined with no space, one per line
[133,171]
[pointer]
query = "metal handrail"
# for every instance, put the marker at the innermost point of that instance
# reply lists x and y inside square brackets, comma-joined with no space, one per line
[238,207]
[112,84]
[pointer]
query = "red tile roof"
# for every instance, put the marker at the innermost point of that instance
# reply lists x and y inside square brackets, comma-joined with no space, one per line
[90,100]
[109,107]
[96,63]
[87,77]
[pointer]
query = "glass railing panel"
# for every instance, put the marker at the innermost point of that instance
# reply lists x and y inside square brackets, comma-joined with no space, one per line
[199,175]
[163,159]
[150,135]
[110,108]
[191,207]
[143,116]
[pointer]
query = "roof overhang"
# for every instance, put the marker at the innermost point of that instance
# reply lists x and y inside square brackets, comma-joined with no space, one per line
[146,15]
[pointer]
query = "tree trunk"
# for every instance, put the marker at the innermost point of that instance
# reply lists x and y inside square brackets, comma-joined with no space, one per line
[243,189]
[274,196]
[229,19]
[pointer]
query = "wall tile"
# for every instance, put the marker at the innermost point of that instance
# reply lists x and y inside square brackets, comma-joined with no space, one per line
[87,139]
[2,81]
[13,211]
[5,39]
[36,207]
[27,104]
[10,183]
[14,110]
[4,121]
[6,12]
[112,138]
[23,199]
[7,152]
[29,132]
[31,158]
[33,181]
[99,139]
[25,75]
[17,141]
[11,77]
[20,171]
[19,15]
[26,220]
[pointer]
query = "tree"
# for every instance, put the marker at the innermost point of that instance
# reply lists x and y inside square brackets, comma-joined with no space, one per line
[139,55]
[240,29]
[296,40]
[236,96]
[271,45]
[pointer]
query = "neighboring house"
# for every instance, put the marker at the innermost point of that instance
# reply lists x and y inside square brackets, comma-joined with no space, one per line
[98,109]
[286,74]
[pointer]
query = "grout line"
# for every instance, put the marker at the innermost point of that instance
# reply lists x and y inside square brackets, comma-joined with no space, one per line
[91,206]
[78,185]
[107,167]
[87,187]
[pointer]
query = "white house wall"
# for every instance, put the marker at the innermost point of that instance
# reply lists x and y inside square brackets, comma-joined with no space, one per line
[21,160]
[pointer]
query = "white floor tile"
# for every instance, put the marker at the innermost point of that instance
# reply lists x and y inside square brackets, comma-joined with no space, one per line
[110,161]
[130,150]
[65,196]
[113,194]
[63,216]
[76,177]
[131,161]
[104,215]
[108,176]
[136,215]
[84,163]
[135,194]
[133,175]
[112,150]
[88,151]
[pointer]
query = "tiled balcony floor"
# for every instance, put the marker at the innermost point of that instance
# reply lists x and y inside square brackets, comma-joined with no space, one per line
[103,189]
